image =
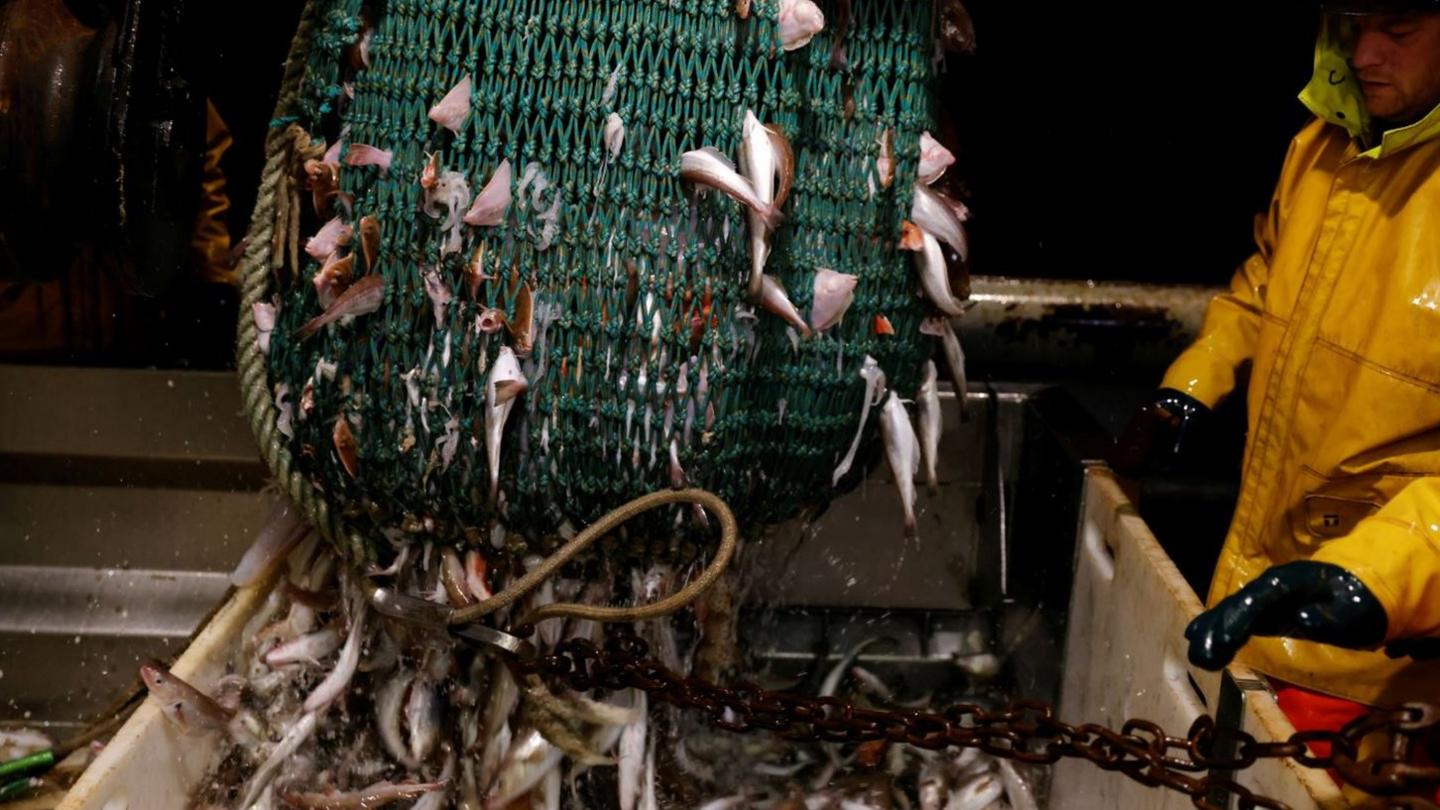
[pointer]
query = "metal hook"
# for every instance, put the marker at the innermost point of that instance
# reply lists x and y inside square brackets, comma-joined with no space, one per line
[413,610]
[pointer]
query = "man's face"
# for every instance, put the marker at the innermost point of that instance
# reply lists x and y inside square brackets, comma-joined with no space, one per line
[1397,60]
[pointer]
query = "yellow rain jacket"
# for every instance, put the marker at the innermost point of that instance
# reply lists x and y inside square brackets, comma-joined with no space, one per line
[1339,314]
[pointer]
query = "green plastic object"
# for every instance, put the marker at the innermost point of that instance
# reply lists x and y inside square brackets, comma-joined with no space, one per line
[10,791]
[27,766]
[646,347]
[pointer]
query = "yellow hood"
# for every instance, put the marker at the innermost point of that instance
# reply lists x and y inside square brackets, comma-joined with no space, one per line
[1334,95]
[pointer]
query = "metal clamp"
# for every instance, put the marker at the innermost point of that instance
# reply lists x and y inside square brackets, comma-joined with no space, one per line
[413,610]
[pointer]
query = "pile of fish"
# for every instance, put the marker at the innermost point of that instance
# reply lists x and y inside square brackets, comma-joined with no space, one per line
[329,704]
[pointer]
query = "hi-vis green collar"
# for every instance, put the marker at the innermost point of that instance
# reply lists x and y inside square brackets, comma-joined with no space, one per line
[1334,95]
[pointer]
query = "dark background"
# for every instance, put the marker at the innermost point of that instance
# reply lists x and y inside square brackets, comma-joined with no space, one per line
[242,73]
[1108,143]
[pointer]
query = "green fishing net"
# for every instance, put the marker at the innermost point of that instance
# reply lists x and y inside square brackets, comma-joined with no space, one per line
[651,367]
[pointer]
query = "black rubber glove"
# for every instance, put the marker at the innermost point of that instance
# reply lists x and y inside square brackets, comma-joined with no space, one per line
[1306,600]
[1159,433]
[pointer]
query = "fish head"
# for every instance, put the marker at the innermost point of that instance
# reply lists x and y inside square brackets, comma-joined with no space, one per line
[155,676]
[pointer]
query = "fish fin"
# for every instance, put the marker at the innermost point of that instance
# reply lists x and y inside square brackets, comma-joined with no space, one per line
[506,390]
[721,156]
[310,327]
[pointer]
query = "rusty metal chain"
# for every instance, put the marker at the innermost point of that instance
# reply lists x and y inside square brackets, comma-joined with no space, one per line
[1025,730]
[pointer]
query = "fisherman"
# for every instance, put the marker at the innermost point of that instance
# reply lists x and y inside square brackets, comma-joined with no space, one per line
[1329,578]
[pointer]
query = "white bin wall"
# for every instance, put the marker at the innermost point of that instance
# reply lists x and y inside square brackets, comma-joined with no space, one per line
[1125,658]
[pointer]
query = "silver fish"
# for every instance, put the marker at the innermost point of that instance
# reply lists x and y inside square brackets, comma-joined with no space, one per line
[874,379]
[932,785]
[361,298]
[707,167]
[934,215]
[307,649]
[649,799]
[549,798]
[282,531]
[970,762]
[871,684]
[831,683]
[334,684]
[279,755]
[725,802]
[389,703]
[757,160]
[1017,790]
[504,694]
[191,710]
[632,755]
[935,276]
[506,382]
[376,795]
[435,800]
[774,298]
[494,755]
[976,794]
[422,714]
[928,400]
[902,451]
[527,762]
[954,355]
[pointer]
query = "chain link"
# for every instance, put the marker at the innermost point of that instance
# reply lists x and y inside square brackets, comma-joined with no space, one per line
[1024,730]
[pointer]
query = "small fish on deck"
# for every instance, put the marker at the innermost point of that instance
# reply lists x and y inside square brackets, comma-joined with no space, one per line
[191,710]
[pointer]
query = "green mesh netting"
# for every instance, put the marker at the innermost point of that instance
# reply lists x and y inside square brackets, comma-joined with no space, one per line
[621,279]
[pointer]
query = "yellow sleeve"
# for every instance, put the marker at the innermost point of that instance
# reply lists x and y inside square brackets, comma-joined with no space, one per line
[1396,553]
[1206,370]
[210,242]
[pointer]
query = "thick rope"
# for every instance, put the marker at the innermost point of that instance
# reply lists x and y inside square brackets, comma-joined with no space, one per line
[256,274]
[712,503]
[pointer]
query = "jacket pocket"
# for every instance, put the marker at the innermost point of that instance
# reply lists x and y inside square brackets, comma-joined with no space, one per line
[1327,507]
